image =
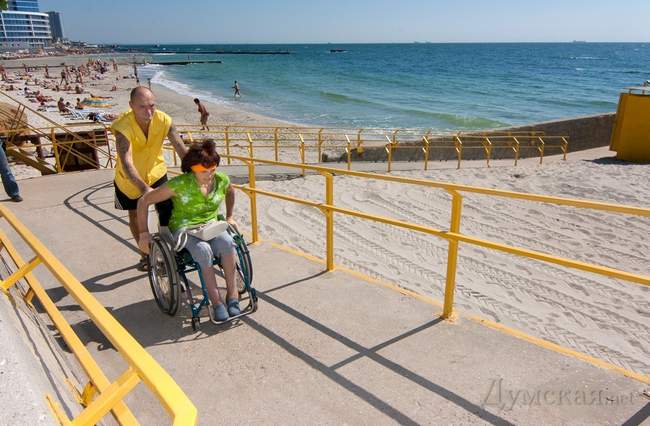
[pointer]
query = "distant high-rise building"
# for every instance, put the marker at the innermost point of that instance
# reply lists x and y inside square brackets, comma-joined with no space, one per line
[55,25]
[22,25]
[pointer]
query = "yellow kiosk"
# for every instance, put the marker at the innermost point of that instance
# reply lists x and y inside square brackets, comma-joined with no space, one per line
[631,134]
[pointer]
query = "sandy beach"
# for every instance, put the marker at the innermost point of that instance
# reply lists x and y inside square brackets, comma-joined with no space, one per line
[181,108]
[599,316]
[602,317]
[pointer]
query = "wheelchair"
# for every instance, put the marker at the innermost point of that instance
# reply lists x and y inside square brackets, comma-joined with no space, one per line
[168,271]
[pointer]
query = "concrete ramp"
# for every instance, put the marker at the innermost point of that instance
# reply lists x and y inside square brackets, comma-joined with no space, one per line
[323,348]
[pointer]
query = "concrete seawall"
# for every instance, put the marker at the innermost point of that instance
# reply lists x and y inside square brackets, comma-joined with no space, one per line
[583,133]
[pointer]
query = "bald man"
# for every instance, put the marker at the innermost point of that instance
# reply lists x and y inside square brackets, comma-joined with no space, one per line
[139,135]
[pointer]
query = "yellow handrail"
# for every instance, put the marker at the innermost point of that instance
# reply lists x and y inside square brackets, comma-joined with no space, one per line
[141,365]
[453,235]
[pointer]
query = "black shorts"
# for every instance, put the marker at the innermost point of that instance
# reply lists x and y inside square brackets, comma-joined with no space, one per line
[164,208]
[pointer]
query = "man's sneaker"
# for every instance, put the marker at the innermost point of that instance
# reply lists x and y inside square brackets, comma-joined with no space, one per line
[220,313]
[17,198]
[233,307]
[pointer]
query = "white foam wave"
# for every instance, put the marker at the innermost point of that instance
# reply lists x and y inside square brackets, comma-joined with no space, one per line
[588,58]
[160,77]
[162,54]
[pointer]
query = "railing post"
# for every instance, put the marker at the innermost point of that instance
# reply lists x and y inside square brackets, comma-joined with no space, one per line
[329,219]
[425,141]
[389,154]
[487,146]
[320,144]
[541,150]
[565,147]
[227,137]
[20,273]
[516,149]
[250,145]
[452,256]
[359,142]
[253,200]
[301,148]
[55,149]
[459,149]
[276,142]
[348,150]
[109,397]
[189,135]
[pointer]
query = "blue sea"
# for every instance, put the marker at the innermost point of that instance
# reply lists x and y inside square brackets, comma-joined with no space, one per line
[418,85]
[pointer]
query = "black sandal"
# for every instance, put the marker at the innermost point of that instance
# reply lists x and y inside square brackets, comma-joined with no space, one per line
[143,264]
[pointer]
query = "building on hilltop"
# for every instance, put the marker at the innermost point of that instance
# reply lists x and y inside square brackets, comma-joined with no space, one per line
[23,26]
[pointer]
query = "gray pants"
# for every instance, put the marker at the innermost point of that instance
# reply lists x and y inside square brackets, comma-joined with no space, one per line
[203,251]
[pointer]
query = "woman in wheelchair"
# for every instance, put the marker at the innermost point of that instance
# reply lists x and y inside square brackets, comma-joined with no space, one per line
[196,196]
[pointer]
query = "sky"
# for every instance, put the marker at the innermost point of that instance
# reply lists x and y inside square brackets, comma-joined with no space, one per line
[352,21]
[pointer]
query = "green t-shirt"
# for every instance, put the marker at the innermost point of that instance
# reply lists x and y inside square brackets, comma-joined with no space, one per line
[191,207]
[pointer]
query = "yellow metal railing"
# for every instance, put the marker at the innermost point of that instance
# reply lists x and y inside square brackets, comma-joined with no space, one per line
[100,396]
[305,139]
[453,235]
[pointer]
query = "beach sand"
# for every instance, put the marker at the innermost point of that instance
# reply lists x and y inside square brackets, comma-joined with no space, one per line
[599,316]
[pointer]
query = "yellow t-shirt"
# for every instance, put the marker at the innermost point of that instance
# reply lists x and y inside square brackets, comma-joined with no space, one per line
[147,151]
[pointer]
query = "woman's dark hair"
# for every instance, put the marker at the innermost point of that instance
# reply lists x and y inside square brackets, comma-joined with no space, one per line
[196,100]
[204,153]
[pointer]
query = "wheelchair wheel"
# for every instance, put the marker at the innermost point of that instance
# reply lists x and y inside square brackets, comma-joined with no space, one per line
[243,263]
[163,277]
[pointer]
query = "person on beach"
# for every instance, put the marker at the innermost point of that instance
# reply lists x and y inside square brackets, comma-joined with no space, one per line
[135,73]
[236,89]
[139,135]
[61,105]
[204,114]
[64,77]
[196,196]
[8,179]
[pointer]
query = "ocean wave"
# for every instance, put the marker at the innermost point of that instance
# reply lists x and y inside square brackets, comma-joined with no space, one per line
[456,120]
[588,58]
[162,54]
[160,78]
[341,98]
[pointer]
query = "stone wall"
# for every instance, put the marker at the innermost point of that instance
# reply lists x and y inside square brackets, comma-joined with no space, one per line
[583,133]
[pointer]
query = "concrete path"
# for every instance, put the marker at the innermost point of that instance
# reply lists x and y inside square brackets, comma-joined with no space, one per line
[323,348]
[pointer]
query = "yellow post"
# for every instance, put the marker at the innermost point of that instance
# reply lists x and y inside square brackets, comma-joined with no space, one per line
[227,137]
[452,257]
[516,149]
[55,149]
[348,150]
[359,142]
[301,148]
[320,144]
[276,141]
[189,135]
[108,147]
[540,148]
[425,141]
[329,218]
[253,198]
[250,145]
[389,154]
[21,272]
[487,147]
[459,149]
[565,147]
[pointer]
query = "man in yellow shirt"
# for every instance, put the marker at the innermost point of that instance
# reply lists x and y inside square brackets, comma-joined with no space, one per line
[139,135]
